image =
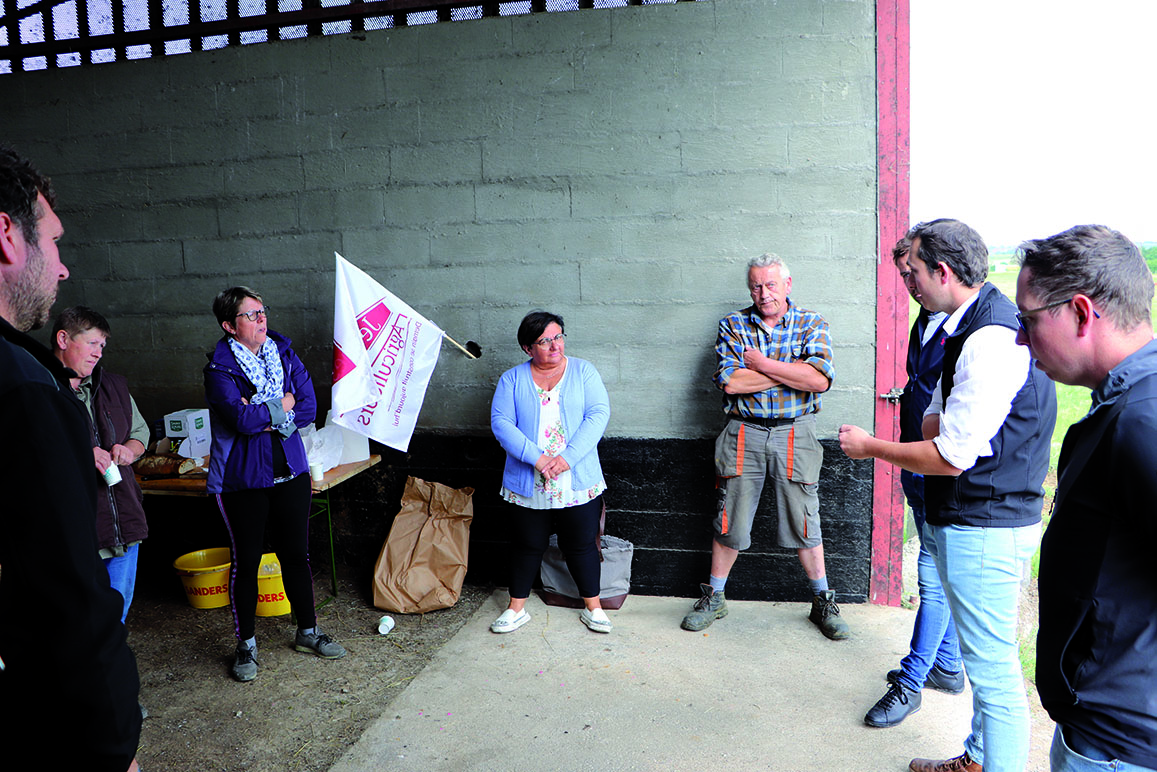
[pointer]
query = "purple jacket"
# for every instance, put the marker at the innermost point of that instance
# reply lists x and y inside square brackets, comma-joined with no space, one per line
[242,453]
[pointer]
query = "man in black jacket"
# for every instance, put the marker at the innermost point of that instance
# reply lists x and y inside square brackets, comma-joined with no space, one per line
[1085,297]
[66,662]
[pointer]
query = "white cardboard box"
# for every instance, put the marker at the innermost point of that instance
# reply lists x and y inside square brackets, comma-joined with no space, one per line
[186,423]
[195,445]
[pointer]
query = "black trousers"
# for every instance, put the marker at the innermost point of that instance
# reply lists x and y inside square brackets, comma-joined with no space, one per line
[282,513]
[578,539]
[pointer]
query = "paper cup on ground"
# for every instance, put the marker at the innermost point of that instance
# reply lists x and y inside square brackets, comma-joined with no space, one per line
[112,475]
[385,625]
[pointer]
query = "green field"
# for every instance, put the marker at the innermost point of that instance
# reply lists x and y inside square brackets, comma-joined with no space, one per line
[1072,401]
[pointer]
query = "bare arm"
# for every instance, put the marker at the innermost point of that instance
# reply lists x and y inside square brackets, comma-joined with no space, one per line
[919,457]
[127,453]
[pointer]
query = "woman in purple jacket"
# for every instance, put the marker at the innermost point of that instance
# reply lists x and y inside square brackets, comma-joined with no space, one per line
[259,393]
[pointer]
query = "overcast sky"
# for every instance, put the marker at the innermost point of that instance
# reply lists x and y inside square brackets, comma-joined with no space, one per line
[1030,116]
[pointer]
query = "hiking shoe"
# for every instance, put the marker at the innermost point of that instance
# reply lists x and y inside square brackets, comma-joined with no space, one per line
[825,615]
[706,610]
[244,663]
[596,619]
[962,763]
[319,644]
[938,678]
[509,621]
[893,707]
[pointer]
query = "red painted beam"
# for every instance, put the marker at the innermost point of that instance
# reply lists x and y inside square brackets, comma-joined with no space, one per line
[886,583]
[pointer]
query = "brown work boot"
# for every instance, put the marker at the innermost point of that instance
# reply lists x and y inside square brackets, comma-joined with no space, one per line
[961,763]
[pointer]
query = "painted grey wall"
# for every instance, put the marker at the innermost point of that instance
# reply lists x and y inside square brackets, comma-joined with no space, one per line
[615,166]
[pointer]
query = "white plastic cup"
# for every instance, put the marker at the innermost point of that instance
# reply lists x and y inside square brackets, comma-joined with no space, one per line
[112,475]
[316,472]
[385,624]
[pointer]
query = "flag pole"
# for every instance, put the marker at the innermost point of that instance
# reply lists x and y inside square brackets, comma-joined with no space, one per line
[462,348]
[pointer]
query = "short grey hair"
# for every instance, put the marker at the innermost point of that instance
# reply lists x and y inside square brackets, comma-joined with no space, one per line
[768,259]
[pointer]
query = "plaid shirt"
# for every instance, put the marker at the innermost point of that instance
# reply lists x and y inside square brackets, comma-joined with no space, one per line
[800,336]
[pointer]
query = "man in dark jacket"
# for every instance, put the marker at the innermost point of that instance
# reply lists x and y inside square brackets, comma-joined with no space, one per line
[119,435]
[1084,297]
[989,428]
[66,662]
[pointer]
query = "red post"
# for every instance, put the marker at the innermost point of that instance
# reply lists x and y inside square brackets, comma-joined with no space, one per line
[892,163]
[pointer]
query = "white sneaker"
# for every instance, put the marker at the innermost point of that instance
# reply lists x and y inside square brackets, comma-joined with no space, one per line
[510,621]
[596,619]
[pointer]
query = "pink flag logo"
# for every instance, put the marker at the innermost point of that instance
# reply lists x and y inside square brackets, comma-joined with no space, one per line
[342,364]
[372,321]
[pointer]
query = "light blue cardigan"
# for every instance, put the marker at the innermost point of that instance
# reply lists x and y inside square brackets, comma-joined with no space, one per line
[585,410]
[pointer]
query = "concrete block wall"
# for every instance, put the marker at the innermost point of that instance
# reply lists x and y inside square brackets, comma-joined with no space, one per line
[615,166]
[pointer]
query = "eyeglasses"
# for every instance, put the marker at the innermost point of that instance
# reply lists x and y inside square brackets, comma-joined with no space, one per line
[1023,316]
[545,342]
[255,314]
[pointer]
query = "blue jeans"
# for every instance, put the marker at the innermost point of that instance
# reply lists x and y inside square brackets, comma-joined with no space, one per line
[1073,754]
[122,575]
[981,570]
[933,634]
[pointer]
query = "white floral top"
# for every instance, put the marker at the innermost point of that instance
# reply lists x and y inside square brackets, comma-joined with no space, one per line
[556,493]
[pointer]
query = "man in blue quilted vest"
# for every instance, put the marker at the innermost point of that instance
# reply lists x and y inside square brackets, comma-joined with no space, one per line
[988,431]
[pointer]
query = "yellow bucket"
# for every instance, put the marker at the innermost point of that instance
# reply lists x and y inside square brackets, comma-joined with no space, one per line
[205,575]
[271,601]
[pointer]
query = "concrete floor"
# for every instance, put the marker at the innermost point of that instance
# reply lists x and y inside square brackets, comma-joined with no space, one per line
[758,690]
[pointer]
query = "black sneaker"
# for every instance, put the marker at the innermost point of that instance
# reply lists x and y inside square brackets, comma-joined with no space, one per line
[893,707]
[711,606]
[943,681]
[825,615]
[938,678]
[244,663]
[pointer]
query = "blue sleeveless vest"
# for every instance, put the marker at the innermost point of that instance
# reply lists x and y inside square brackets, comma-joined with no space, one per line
[1005,489]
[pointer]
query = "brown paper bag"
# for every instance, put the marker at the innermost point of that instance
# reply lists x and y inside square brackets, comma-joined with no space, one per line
[423,561]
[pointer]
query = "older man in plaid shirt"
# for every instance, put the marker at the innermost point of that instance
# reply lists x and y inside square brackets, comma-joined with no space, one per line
[775,360]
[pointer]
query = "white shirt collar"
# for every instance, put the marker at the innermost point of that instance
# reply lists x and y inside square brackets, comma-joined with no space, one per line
[954,318]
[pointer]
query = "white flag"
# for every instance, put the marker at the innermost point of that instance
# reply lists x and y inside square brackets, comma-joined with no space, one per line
[383,356]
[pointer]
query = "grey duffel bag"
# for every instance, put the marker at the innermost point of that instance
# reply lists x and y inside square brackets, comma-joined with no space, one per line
[559,589]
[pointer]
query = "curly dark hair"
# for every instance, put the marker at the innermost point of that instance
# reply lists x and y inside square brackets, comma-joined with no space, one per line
[20,184]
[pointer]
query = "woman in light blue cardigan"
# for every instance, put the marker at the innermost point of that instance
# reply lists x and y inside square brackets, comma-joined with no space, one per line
[549,414]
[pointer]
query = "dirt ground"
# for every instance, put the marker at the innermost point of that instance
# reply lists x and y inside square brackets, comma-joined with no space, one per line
[302,712]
